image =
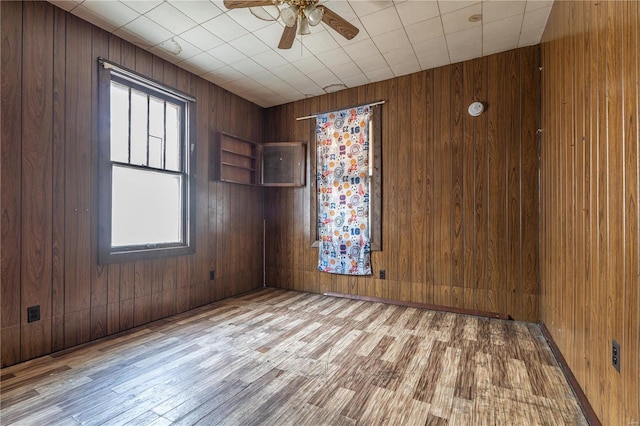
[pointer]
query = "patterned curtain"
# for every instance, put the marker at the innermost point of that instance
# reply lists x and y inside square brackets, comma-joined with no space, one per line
[342,141]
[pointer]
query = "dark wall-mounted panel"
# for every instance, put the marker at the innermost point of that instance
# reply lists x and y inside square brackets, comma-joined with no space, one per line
[282,164]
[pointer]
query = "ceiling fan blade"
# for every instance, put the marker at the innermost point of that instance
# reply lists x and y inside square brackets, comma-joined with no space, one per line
[237,4]
[288,35]
[339,24]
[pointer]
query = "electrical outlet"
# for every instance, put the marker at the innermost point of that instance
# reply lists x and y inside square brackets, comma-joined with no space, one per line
[212,275]
[615,355]
[33,313]
[383,274]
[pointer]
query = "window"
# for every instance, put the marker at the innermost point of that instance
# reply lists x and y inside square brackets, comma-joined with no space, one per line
[375,203]
[146,176]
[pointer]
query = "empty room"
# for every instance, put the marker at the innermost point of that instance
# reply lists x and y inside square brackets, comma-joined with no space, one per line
[320,212]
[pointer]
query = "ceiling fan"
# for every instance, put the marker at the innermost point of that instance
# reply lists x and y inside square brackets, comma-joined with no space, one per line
[297,15]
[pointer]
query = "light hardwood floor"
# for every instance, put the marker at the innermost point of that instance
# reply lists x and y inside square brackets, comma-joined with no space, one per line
[278,357]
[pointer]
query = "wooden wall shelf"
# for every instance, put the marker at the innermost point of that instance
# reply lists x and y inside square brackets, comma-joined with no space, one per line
[238,160]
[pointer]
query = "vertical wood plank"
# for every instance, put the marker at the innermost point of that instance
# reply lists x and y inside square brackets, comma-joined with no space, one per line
[11,183]
[496,237]
[529,185]
[58,181]
[99,273]
[419,213]
[481,190]
[514,167]
[631,296]
[405,189]
[36,212]
[469,226]
[79,65]
[457,179]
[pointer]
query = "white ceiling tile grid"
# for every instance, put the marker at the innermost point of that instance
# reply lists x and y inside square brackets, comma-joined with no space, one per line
[237,51]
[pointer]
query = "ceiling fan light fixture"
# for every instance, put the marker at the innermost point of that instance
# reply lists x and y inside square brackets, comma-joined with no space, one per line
[289,15]
[303,26]
[266,13]
[313,14]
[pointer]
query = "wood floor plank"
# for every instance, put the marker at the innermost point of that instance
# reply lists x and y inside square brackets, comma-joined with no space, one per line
[281,357]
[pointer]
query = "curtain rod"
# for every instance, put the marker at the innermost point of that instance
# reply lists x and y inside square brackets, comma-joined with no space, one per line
[142,79]
[317,113]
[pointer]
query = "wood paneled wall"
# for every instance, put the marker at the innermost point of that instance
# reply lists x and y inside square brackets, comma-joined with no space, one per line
[460,210]
[49,173]
[589,198]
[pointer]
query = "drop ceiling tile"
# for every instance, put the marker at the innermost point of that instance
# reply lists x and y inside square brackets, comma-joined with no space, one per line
[412,12]
[281,87]
[266,78]
[467,52]
[144,31]
[142,6]
[384,73]
[324,78]
[224,27]
[270,59]
[226,53]
[495,10]
[308,64]
[381,22]
[287,72]
[223,75]
[459,20]
[361,49]
[425,30]
[303,84]
[296,53]
[364,8]
[530,38]
[434,61]
[431,46]
[372,62]
[201,63]
[312,89]
[200,11]
[171,18]
[400,56]
[202,38]
[535,19]
[345,70]
[406,67]
[392,41]
[108,15]
[448,6]
[250,45]
[471,37]
[248,67]
[161,53]
[356,80]
[242,85]
[505,29]
[537,4]
[334,57]
[489,47]
[178,48]
[319,41]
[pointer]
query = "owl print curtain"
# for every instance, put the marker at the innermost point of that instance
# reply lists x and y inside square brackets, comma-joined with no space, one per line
[342,141]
